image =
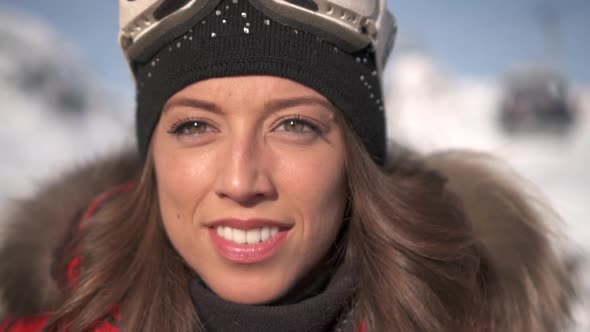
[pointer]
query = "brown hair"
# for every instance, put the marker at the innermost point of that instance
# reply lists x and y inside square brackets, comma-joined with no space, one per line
[416,261]
[412,249]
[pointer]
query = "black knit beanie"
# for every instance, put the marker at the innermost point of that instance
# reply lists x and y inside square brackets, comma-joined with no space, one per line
[237,39]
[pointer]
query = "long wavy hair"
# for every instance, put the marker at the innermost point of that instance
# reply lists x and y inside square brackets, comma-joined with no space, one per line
[413,254]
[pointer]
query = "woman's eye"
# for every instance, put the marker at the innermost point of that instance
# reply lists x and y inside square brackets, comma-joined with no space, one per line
[190,128]
[298,126]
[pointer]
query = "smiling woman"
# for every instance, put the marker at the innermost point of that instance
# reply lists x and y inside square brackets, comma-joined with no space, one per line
[241,166]
[263,198]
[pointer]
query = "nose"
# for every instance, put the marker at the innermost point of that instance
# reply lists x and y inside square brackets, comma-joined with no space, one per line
[243,175]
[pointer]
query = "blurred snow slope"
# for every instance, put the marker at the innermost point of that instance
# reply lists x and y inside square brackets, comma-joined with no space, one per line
[430,111]
[56,115]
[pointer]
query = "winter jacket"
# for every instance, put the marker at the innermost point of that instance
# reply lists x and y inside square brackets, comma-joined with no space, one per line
[507,226]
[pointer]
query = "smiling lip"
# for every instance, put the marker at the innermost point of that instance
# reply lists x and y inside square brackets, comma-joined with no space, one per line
[248,253]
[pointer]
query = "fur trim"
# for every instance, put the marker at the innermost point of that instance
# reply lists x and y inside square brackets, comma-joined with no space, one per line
[36,227]
[528,285]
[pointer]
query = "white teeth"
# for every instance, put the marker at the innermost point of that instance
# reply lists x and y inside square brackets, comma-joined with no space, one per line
[227,233]
[251,236]
[239,236]
[264,233]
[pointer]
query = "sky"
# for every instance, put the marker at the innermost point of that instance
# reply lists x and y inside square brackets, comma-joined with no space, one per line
[467,38]
[489,37]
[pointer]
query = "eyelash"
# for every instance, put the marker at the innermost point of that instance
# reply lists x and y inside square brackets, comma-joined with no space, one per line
[315,128]
[178,126]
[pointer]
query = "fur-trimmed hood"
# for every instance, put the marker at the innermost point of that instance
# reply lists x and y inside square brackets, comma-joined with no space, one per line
[33,229]
[529,283]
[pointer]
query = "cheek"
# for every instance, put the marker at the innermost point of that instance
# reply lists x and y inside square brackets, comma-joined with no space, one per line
[182,184]
[178,180]
[181,176]
[316,186]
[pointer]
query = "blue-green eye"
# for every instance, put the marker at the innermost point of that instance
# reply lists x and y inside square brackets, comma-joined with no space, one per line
[298,126]
[294,126]
[190,128]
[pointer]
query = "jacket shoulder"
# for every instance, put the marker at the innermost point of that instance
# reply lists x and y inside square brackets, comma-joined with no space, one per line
[29,324]
[37,324]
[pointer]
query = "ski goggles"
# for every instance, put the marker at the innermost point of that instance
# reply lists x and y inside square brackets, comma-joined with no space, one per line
[351,25]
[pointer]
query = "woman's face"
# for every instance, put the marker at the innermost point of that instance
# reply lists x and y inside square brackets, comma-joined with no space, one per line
[251,182]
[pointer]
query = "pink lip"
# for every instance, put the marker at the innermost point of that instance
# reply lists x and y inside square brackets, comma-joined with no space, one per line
[248,253]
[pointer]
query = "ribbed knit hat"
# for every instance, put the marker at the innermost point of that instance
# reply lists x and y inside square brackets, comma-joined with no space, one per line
[237,39]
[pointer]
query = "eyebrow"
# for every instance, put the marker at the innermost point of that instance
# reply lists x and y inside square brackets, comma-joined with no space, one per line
[278,104]
[271,105]
[193,103]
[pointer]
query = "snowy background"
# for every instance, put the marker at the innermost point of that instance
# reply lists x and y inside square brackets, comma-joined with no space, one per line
[54,109]
[66,97]
[431,111]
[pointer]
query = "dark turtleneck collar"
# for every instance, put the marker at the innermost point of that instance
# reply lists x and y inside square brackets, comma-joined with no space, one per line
[318,313]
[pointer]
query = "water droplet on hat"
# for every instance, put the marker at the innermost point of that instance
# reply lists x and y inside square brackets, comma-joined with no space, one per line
[178,44]
[246,30]
[244,15]
[234,1]
[266,22]
[218,12]
[213,35]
